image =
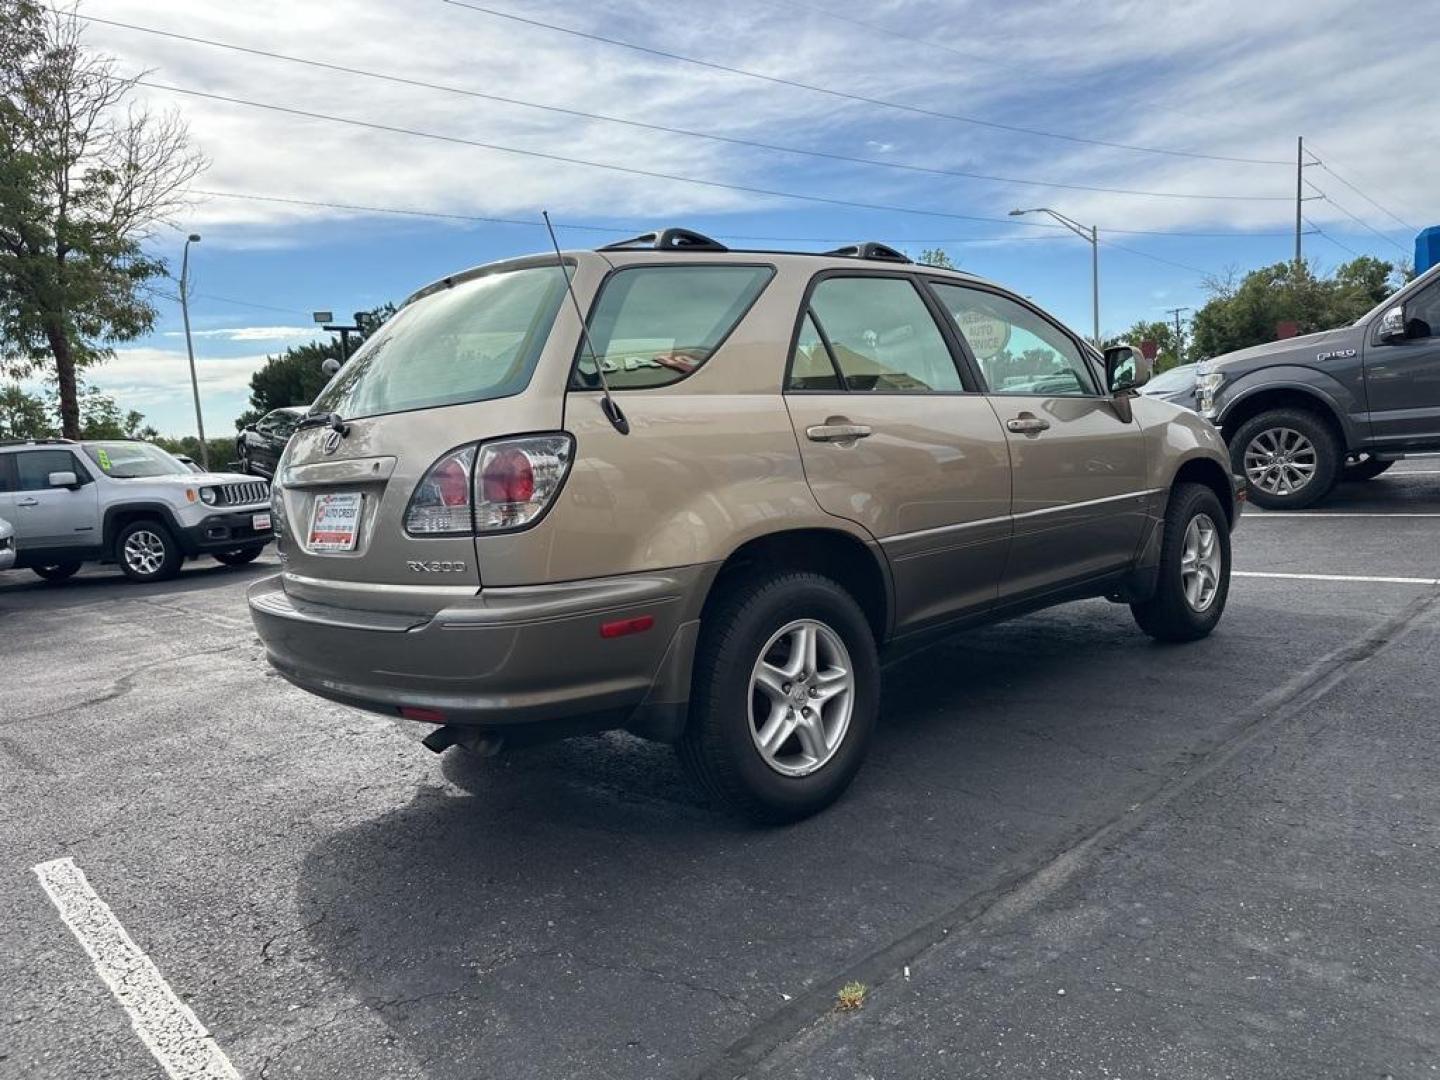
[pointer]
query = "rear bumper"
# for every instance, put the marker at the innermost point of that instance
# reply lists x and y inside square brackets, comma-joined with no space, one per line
[225,532]
[504,658]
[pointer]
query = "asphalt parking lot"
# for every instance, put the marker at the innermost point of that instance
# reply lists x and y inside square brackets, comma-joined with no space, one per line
[1073,852]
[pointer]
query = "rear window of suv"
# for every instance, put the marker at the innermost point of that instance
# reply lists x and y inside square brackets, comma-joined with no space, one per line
[656,324]
[476,341]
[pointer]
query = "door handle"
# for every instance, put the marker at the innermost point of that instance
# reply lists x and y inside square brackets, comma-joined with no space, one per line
[836,432]
[32,501]
[1027,425]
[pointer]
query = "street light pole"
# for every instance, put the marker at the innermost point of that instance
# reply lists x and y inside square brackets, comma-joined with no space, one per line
[1092,236]
[193,238]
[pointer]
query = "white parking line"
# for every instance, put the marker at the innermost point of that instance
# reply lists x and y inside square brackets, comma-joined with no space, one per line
[1337,577]
[165,1024]
[1266,514]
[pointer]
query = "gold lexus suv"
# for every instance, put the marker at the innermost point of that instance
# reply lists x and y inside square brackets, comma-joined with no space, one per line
[695,493]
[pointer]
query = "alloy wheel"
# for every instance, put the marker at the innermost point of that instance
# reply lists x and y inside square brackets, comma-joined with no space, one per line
[1200,563]
[802,694]
[144,551]
[1280,461]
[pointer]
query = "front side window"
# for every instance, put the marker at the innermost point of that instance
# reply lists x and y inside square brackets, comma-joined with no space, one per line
[133,460]
[1019,352]
[1422,313]
[33,468]
[281,424]
[881,336]
[653,325]
[474,341]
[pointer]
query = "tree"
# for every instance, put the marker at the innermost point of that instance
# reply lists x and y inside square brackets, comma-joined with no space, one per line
[1253,312]
[295,377]
[85,180]
[936,257]
[1160,332]
[23,415]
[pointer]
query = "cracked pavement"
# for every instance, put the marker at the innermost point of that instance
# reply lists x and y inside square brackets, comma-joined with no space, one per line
[1223,853]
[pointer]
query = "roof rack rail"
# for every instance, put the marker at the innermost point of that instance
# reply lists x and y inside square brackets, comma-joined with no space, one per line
[668,240]
[871,250]
[37,442]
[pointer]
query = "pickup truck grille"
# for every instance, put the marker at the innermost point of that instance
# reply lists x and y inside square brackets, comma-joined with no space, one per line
[243,494]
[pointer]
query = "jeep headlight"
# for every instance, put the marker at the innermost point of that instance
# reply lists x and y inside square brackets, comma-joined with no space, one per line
[208,496]
[1207,385]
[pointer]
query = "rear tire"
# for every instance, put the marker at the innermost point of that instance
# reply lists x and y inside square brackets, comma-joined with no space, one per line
[1194,579]
[777,747]
[146,551]
[241,557]
[1367,468]
[57,571]
[1290,458]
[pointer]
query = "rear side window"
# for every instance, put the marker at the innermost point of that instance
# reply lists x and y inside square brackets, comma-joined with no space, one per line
[881,337]
[473,342]
[35,466]
[653,325]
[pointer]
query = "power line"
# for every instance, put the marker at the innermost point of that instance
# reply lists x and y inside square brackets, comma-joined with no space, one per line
[1324,235]
[847,96]
[687,132]
[626,169]
[1360,221]
[1389,213]
[1156,258]
[617,230]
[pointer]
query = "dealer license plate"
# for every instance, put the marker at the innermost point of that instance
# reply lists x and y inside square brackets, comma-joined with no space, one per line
[335,521]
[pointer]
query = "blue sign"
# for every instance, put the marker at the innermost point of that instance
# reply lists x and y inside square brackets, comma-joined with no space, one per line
[1427,249]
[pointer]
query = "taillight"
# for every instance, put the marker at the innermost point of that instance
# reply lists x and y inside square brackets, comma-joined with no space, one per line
[516,479]
[441,503]
[509,486]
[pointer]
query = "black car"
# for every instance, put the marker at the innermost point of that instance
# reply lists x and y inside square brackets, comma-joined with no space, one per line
[260,444]
[1177,386]
[1305,413]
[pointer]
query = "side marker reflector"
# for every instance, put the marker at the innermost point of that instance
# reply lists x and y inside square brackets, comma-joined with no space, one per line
[621,627]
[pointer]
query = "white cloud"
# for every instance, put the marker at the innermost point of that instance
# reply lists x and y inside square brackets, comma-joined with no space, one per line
[1228,76]
[250,333]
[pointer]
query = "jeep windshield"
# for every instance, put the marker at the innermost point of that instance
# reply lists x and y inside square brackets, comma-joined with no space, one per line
[133,460]
[474,341]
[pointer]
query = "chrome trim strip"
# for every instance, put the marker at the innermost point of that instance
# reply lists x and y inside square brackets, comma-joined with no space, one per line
[337,586]
[1019,517]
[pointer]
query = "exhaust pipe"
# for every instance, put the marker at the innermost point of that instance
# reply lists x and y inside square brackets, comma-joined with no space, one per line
[475,740]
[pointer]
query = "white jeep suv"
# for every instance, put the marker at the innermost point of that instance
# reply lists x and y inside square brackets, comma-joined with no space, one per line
[126,502]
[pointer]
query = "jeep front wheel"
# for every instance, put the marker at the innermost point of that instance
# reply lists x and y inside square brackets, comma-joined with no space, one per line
[147,552]
[57,571]
[1290,458]
[785,696]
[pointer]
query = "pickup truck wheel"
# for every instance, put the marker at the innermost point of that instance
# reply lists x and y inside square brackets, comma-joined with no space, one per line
[1367,468]
[785,696]
[57,571]
[1194,578]
[147,552]
[1289,458]
[241,557]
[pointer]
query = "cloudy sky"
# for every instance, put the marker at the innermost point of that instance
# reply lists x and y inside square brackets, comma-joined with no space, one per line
[1180,102]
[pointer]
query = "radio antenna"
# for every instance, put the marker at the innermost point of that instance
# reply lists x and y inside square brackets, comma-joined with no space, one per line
[607,405]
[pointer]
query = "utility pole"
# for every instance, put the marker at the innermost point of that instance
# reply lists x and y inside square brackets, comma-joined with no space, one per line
[1299,199]
[193,238]
[1179,341]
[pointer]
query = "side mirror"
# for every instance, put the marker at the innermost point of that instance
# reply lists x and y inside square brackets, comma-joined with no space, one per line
[330,366]
[63,479]
[1392,324]
[1126,368]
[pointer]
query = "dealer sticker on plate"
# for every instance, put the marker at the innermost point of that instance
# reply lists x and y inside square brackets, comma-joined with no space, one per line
[260,522]
[335,521]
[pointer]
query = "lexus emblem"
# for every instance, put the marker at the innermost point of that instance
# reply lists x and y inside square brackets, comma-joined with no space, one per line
[331,443]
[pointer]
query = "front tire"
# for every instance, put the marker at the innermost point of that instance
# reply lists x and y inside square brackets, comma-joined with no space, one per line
[1367,468]
[1289,457]
[241,557]
[147,551]
[786,692]
[57,571]
[1194,578]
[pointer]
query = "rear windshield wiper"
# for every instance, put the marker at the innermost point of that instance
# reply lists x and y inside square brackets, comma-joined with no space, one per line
[331,420]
